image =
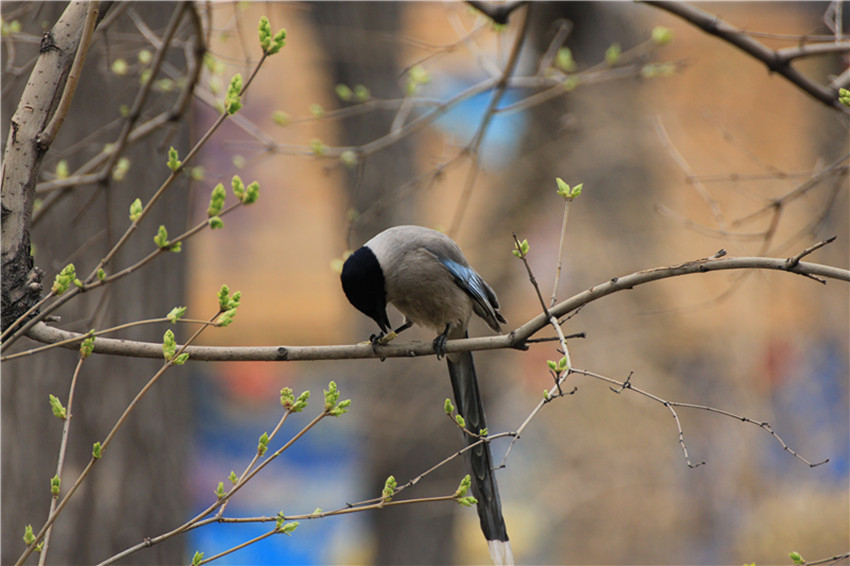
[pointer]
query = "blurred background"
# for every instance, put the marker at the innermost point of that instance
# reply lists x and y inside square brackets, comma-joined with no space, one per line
[683,147]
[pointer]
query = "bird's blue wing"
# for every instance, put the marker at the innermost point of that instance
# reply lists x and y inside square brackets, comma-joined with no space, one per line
[484,300]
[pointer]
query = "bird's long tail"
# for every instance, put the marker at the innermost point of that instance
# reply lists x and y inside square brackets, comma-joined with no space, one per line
[484,488]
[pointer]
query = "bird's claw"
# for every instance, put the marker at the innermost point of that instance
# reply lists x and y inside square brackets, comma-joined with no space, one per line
[440,346]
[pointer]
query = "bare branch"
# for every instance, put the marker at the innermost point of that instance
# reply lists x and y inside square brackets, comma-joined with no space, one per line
[774,60]
[515,339]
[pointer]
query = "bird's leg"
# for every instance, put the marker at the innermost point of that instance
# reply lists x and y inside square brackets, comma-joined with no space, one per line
[381,339]
[407,324]
[440,343]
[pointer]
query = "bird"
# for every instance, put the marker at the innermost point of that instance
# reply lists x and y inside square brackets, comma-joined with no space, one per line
[425,275]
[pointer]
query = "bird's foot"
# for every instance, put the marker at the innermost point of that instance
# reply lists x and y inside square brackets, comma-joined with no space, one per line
[440,343]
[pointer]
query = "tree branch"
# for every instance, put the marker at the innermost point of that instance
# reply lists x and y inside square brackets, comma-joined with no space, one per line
[515,339]
[775,61]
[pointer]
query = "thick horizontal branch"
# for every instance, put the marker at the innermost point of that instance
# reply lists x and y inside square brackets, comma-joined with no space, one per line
[515,339]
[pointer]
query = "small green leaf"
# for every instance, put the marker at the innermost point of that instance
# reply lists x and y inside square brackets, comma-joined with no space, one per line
[217,198]
[64,279]
[62,169]
[389,489]
[161,238]
[278,41]
[564,60]
[318,147]
[287,528]
[484,432]
[661,35]
[216,222]
[145,57]
[101,274]
[796,558]
[344,92]
[265,33]
[121,168]
[29,536]
[252,193]
[181,359]
[361,93]
[232,100]
[87,346]
[552,365]
[522,249]
[173,163]
[844,96]
[119,67]
[136,210]
[333,406]
[97,451]
[612,54]
[56,406]
[281,118]
[223,297]
[55,484]
[467,501]
[290,403]
[176,314]
[233,477]
[263,444]
[219,490]
[169,345]
[448,407]
[197,558]
[238,187]
[226,318]
[348,158]
[460,420]
[464,486]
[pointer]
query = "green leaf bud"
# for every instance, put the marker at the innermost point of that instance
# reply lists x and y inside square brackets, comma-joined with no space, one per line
[252,193]
[344,92]
[564,60]
[136,210]
[448,407]
[232,100]
[612,54]
[223,297]
[121,168]
[219,490]
[233,477]
[287,528]
[62,169]
[216,222]
[281,118]
[238,186]
[661,35]
[119,67]
[63,279]
[217,198]
[317,111]
[348,158]
[55,484]
[389,489]
[263,445]
[56,406]
[87,346]
[460,420]
[173,163]
[176,314]
[29,536]
[161,238]
[97,451]
[464,486]
[197,558]
[361,93]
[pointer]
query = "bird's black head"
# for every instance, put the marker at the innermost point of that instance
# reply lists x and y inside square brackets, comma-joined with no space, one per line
[363,284]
